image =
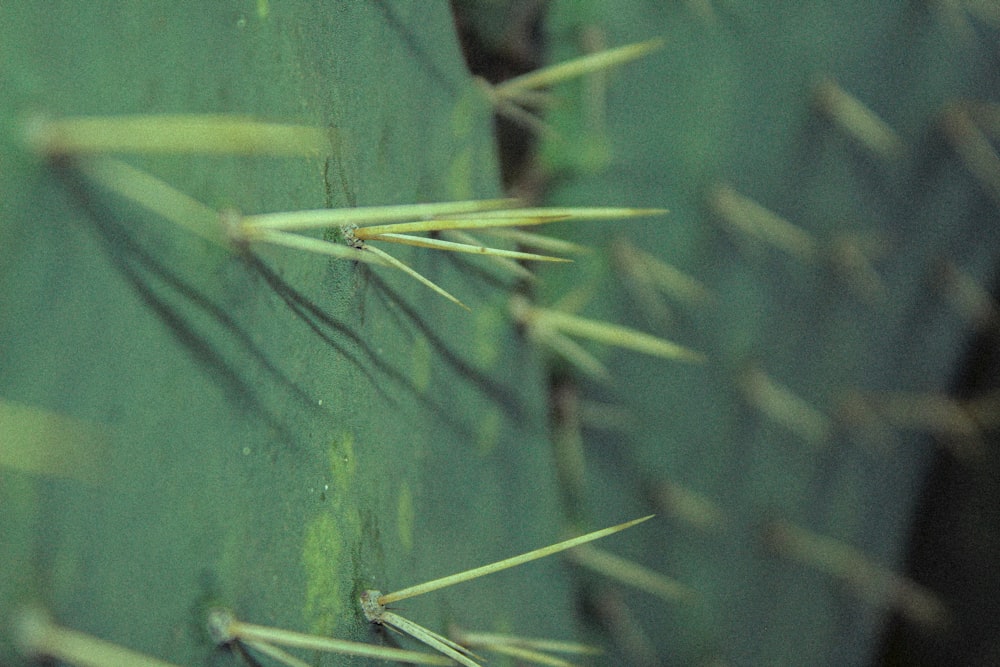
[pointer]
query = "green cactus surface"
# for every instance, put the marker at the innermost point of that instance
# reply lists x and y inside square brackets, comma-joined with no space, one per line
[187,424]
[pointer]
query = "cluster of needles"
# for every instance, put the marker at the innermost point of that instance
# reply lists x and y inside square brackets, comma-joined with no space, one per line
[375,604]
[358,228]
[361,227]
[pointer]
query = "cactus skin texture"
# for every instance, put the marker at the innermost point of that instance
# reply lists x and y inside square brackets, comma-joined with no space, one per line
[277,432]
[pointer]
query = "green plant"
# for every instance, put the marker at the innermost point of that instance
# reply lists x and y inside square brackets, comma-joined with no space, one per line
[276,432]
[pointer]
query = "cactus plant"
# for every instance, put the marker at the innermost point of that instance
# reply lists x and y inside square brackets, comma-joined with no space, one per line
[187,426]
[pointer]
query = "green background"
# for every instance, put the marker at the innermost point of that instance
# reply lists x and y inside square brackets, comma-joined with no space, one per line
[279,432]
